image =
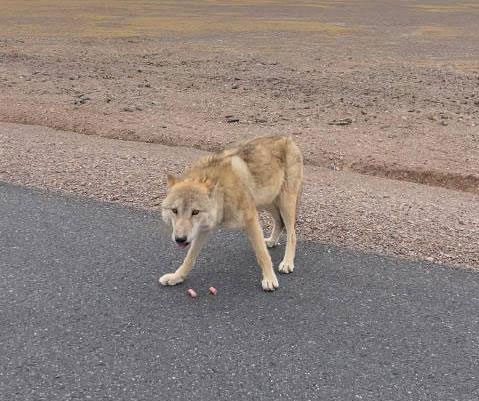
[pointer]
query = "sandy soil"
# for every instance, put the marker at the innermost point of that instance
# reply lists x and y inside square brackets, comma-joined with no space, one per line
[388,90]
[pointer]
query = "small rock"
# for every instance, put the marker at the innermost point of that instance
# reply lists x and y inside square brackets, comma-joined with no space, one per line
[235,87]
[128,109]
[342,121]
[82,100]
[430,259]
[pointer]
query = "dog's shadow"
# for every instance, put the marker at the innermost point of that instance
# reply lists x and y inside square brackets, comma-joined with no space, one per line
[228,262]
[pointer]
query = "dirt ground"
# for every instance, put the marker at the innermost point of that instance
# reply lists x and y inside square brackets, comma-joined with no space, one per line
[368,89]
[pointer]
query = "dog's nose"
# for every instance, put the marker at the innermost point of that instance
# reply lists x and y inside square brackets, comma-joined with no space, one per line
[180,240]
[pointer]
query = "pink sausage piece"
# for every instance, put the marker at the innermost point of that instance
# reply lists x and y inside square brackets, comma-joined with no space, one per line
[212,290]
[192,293]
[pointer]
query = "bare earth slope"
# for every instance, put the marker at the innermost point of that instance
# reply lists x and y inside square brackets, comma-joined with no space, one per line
[388,90]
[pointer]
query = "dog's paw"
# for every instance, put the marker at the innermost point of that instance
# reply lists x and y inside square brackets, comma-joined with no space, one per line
[171,279]
[271,243]
[270,283]
[286,267]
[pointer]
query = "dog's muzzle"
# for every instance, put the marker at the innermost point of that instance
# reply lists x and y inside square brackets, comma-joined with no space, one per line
[182,242]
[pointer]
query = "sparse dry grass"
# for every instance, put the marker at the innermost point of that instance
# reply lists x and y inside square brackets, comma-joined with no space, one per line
[449,8]
[124,18]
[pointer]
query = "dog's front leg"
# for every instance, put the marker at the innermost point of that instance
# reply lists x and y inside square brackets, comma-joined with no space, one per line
[269,281]
[182,272]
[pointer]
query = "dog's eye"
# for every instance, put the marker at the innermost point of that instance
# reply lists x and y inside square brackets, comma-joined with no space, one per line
[174,210]
[195,212]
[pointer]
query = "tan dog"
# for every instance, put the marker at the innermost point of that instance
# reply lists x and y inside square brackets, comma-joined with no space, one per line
[227,189]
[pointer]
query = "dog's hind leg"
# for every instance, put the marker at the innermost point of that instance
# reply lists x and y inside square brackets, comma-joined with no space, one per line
[182,272]
[278,226]
[269,280]
[287,202]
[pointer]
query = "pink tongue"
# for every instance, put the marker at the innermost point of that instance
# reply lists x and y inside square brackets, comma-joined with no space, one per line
[182,244]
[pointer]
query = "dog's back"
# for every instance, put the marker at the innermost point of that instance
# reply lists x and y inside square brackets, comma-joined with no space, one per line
[265,165]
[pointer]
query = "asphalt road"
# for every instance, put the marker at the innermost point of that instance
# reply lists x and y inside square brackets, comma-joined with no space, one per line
[84,318]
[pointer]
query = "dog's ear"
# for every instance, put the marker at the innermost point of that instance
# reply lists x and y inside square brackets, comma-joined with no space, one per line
[171,180]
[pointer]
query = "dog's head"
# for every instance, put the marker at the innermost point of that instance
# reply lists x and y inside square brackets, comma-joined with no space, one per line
[190,207]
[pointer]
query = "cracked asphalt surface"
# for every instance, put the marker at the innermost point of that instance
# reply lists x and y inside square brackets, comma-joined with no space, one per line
[82,315]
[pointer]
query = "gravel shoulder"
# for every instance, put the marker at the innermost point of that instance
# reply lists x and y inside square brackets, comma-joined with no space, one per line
[376,214]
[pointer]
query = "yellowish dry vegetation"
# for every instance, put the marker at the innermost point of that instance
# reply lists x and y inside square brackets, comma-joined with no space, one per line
[123,18]
[449,8]
[441,31]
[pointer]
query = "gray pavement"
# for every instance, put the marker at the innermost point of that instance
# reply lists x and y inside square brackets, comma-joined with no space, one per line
[82,316]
